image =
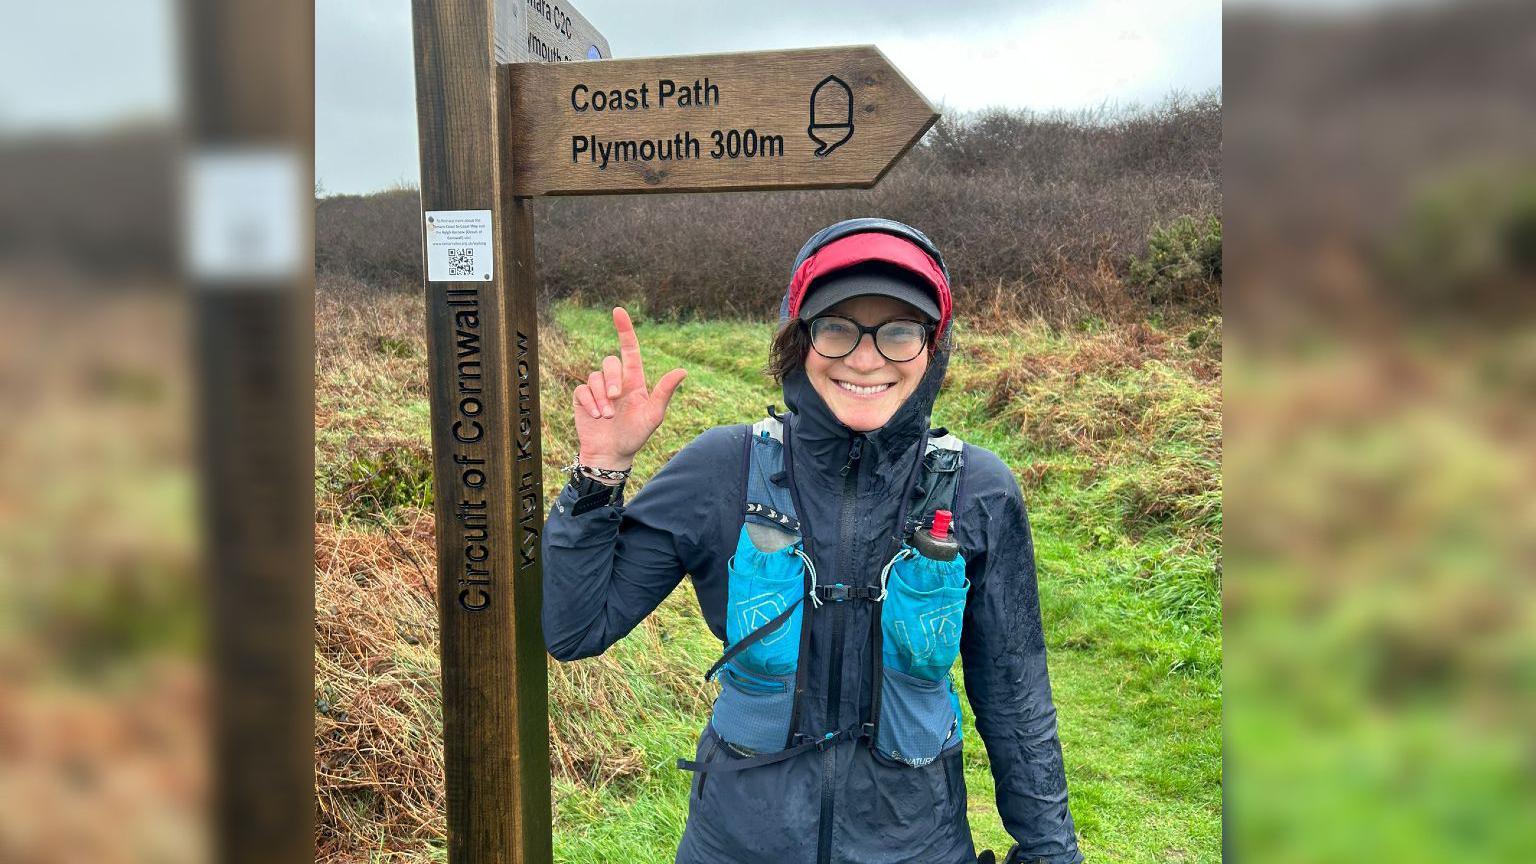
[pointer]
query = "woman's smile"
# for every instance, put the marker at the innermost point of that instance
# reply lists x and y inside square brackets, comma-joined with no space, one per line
[867,391]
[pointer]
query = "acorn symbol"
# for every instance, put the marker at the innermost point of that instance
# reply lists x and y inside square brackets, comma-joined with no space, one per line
[831,114]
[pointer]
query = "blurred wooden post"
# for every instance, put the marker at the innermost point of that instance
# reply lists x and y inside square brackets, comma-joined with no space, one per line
[483,377]
[246,198]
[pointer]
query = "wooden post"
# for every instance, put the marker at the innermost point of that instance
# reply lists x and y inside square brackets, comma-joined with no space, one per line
[483,378]
[247,200]
[530,687]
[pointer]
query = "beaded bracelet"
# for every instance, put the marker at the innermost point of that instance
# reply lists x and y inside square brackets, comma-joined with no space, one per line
[577,470]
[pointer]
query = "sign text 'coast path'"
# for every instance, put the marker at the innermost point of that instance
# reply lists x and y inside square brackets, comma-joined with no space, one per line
[802,119]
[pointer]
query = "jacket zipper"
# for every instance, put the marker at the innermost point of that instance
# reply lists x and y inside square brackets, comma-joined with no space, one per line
[835,670]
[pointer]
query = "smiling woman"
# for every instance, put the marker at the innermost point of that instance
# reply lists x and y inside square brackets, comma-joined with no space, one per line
[803,534]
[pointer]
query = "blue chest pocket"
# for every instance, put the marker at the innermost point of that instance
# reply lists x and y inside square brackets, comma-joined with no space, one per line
[757,691]
[920,624]
[761,586]
[924,610]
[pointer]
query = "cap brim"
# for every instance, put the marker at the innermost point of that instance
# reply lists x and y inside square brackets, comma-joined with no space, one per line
[836,289]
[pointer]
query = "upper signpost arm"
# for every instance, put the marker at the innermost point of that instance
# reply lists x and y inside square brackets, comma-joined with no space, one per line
[815,118]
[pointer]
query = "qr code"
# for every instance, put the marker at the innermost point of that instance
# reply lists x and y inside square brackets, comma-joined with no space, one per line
[461,262]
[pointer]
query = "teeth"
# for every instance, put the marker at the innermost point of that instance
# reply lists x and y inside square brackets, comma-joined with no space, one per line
[863,391]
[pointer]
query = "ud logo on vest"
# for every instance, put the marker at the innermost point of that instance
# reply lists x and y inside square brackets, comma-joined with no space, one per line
[758,611]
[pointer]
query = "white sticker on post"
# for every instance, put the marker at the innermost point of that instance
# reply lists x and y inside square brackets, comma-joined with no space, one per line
[459,245]
[241,219]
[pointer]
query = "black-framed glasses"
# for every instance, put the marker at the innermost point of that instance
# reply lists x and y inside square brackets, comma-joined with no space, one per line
[898,341]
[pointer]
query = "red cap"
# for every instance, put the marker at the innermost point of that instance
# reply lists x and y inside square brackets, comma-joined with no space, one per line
[941,520]
[872,246]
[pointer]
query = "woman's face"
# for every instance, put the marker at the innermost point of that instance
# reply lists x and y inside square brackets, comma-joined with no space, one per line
[864,389]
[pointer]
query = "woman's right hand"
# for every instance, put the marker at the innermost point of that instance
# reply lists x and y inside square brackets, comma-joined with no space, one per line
[615,414]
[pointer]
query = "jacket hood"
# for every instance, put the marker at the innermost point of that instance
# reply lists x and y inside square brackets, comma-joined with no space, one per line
[819,436]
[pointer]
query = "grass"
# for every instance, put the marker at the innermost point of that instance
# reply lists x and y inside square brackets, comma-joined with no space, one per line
[1113,430]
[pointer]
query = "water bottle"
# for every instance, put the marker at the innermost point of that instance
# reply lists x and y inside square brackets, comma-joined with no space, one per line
[936,543]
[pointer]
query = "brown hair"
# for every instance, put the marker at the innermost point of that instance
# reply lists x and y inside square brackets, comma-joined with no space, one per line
[790,345]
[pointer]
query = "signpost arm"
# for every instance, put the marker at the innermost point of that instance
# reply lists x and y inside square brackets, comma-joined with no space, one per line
[481,361]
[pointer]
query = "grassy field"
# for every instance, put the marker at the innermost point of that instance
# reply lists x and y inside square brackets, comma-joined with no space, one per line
[1113,430]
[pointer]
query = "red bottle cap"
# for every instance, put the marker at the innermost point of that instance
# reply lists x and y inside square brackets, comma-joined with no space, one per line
[941,520]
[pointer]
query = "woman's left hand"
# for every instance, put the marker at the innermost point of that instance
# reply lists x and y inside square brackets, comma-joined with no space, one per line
[615,412]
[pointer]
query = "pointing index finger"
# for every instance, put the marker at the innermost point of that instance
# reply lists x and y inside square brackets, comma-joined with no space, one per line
[629,346]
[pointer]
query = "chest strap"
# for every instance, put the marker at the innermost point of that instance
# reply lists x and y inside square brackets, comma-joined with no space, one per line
[807,744]
[840,592]
[819,595]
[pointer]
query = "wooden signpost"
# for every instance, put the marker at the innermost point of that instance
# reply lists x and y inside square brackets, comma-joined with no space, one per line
[814,118]
[493,134]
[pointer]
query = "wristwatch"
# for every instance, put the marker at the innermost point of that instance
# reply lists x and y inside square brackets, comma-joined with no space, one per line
[591,494]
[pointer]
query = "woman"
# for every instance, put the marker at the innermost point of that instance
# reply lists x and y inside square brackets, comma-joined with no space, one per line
[835,737]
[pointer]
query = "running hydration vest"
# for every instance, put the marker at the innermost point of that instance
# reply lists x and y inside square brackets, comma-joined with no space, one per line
[772,601]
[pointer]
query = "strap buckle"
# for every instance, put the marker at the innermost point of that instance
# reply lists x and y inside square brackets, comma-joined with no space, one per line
[840,592]
[821,744]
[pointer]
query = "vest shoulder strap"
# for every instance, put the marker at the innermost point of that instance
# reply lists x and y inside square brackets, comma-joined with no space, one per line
[938,487]
[770,504]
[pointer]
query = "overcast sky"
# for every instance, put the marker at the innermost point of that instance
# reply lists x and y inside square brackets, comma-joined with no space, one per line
[963,54]
[86,63]
[119,58]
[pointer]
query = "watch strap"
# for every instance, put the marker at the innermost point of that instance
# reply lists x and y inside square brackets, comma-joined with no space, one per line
[591,494]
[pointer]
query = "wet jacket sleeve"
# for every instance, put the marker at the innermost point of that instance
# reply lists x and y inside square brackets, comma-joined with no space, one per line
[606,569]
[1003,651]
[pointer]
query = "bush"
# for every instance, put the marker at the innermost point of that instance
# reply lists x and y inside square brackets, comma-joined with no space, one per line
[1467,243]
[1182,264]
[373,485]
[375,239]
[1037,214]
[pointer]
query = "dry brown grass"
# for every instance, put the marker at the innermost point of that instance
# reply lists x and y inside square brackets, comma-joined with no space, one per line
[104,706]
[378,747]
[378,750]
[112,775]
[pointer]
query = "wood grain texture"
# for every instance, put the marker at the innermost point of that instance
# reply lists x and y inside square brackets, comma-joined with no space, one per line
[768,92]
[493,674]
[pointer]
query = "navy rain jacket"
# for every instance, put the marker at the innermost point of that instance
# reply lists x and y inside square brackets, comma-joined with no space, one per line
[605,570]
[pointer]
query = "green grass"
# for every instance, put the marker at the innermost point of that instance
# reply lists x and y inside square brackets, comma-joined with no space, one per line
[1128,551]
[1114,433]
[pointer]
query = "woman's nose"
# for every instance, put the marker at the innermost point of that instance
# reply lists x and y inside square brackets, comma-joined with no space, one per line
[865,357]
